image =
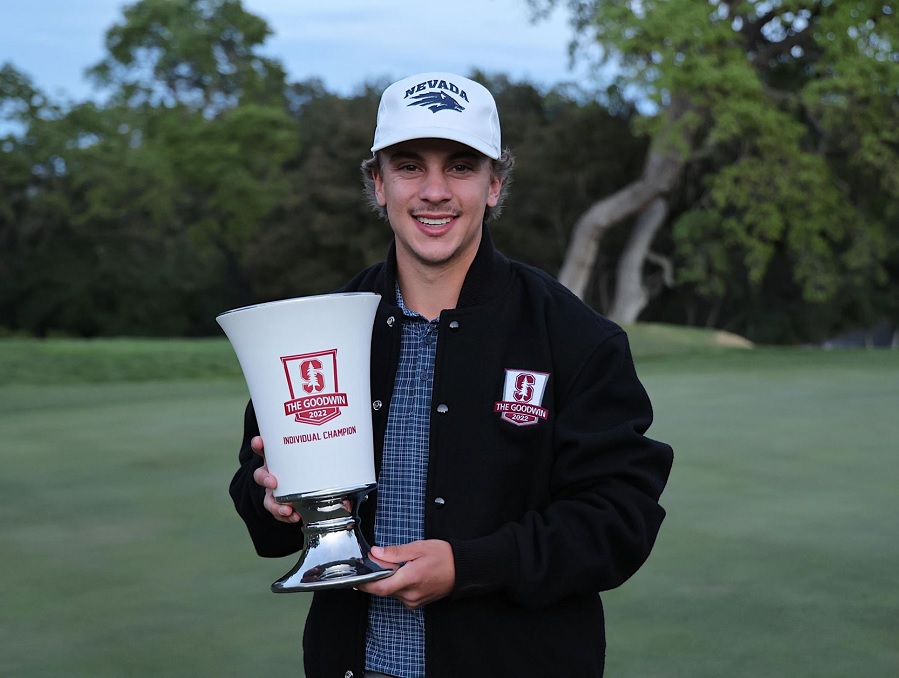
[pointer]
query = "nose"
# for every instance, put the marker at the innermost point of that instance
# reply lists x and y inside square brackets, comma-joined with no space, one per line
[435,187]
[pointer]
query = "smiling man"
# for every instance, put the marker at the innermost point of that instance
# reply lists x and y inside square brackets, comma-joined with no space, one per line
[515,479]
[435,193]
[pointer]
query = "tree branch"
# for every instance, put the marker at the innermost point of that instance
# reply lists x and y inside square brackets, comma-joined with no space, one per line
[631,293]
[767,50]
[665,264]
[663,165]
[752,30]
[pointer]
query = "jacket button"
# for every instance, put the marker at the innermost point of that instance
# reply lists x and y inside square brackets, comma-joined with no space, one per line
[454,325]
[442,409]
[439,502]
[377,405]
[391,321]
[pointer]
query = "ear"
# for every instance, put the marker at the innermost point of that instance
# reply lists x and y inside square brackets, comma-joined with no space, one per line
[379,187]
[496,183]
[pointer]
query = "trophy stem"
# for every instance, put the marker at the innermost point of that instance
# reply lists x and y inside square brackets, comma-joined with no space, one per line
[335,554]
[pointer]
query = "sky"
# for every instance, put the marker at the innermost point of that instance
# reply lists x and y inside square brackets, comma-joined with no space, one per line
[343,42]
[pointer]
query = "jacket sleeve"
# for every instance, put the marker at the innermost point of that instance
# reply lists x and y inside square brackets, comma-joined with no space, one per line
[603,515]
[272,539]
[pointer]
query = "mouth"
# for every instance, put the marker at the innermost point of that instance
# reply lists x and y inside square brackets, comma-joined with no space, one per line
[427,221]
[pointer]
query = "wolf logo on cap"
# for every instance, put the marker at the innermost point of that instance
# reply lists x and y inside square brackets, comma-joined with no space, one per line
[437,101]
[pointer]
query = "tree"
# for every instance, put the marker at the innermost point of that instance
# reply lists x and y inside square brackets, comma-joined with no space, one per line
[148,219]
[554,136]
[767,113]
[20,103]
[133,217]
[322,231]
[33,207]
[206,106]
[203,54]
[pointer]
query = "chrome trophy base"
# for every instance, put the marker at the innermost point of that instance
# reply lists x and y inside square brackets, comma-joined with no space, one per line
[335,554]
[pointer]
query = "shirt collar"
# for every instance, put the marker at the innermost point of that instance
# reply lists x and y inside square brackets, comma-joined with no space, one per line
[401,304]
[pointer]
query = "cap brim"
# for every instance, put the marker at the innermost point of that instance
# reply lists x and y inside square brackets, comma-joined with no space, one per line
[407,134]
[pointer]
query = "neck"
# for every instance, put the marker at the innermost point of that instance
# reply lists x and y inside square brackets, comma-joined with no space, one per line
[429,287]
[428,292]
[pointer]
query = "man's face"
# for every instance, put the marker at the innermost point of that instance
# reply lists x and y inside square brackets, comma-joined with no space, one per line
[435,192]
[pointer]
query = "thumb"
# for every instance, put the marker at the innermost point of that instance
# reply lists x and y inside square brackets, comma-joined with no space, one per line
[392,554]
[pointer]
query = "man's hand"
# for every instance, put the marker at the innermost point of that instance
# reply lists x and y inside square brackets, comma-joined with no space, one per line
[428,572]
[282,512]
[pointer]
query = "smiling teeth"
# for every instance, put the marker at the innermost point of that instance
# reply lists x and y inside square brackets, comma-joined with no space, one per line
[435,222]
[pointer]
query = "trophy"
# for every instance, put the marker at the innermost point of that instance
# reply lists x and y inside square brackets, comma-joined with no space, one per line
[306,363]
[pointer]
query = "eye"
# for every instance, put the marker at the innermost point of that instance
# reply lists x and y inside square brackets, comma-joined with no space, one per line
[461,167]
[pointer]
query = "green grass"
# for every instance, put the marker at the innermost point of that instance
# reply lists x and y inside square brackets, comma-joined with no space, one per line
[73,361]
[780,552]
[120,554]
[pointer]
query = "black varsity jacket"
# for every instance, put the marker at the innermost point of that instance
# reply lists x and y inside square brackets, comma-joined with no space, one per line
[540,477]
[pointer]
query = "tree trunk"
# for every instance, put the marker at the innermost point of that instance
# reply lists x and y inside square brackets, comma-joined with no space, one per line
[665,159]
[592,225]
[631,293]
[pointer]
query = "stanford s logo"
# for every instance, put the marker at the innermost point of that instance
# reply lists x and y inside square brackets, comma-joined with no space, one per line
[524,387]
[312,381]
[313,377]
[523,398]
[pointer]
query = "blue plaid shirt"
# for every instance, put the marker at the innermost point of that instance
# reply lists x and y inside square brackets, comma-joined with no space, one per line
[395,643]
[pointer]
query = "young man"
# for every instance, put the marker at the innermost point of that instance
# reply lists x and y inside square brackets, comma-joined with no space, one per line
[515,481]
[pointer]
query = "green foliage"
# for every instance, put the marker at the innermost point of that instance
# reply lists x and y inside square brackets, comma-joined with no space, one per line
[199,53]
[568,149]
[204,181]
[132,217]
[760,206]
[322,232]
[795,157]
[111,239]
[20,100]
[707,259]
[230,168]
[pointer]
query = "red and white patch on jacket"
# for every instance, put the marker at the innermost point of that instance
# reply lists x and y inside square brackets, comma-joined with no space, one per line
[522,403]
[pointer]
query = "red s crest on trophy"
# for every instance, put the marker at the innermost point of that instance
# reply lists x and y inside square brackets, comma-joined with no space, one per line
[312,381]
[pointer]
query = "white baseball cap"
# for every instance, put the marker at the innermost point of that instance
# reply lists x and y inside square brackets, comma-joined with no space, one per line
[438,106]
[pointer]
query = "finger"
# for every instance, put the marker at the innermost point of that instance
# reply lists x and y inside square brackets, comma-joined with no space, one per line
[285,513]
[428,575]
[384,564]
[406,585]
[264,478]
[388,586]
[257,446]
[282,512]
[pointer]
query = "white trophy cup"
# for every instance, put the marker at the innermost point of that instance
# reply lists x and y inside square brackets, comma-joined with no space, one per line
[306,363]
